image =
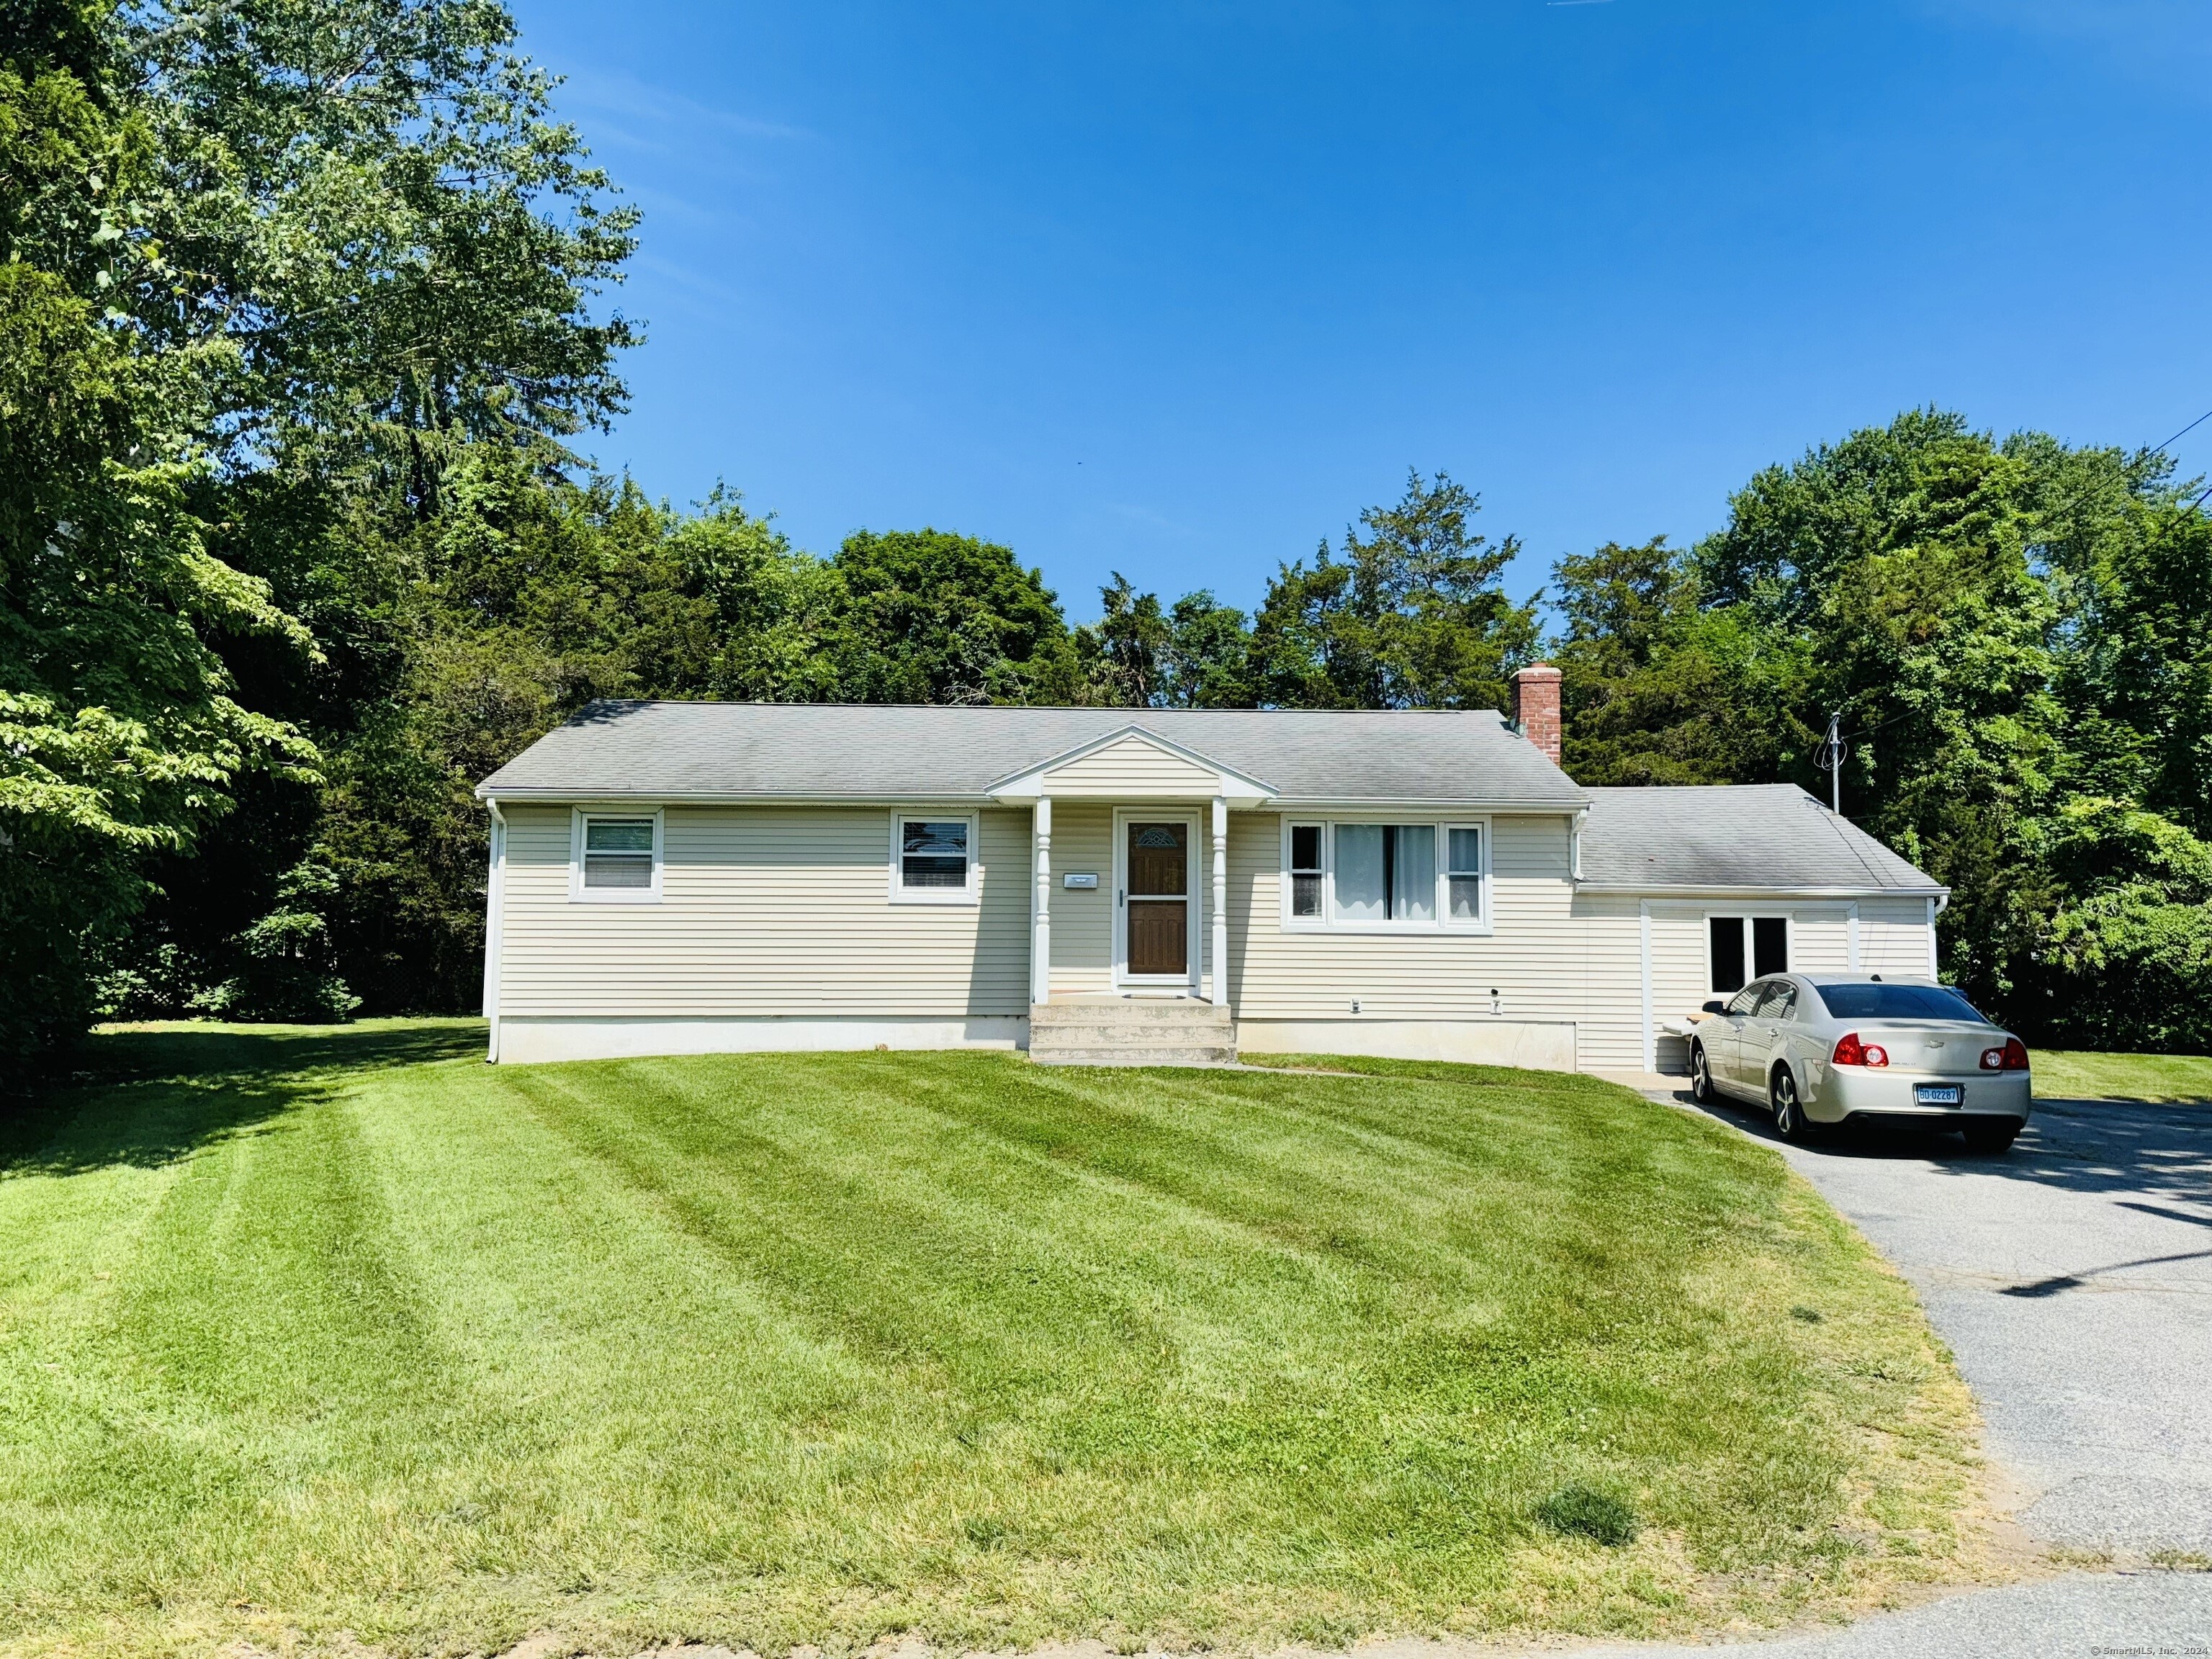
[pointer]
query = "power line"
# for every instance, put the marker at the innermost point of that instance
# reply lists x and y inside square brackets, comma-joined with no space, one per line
[2185,432]
[1885,725]
[2156,449]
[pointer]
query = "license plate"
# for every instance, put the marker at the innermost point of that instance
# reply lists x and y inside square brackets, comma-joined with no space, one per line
[1936,1094]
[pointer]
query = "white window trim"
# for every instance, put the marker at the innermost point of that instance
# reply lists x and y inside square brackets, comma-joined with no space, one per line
[1326,922]
[901,894]
[580,894]
[1789,919]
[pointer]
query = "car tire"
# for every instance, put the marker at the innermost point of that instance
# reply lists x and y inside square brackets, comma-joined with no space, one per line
[1789,1111]
[1993,1135]
[1701,1076]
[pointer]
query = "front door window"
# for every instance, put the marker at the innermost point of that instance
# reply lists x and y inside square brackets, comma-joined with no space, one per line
[1159,899]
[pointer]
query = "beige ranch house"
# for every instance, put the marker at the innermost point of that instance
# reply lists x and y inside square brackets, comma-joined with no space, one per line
[1123,886]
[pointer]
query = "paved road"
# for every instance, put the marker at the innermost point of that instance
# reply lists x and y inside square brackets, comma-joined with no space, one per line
[2072,1278]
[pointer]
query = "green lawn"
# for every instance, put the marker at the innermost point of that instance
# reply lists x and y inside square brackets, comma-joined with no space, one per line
[2161,1077]
[311,1333]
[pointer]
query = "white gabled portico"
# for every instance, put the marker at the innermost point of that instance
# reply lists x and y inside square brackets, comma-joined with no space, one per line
[1160,804]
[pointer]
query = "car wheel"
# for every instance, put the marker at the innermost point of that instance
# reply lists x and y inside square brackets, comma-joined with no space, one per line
[1992,1134]
[1701,1075]
[1788,1111]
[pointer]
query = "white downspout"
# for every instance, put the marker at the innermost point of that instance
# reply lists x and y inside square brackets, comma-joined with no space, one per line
[1041,936]
[495,929]
[1221,901]
[1644,949]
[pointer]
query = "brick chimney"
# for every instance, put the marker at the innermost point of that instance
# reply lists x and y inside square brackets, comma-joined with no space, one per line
[1536,708]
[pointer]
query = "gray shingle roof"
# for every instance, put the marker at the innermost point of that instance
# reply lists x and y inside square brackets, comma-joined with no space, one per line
[735,749]
[1769,836]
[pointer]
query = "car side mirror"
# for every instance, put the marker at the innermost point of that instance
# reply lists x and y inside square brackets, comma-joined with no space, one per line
[1717,1007]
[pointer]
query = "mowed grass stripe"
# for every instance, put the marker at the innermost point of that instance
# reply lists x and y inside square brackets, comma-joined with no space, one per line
[774,1349]
[893,1216]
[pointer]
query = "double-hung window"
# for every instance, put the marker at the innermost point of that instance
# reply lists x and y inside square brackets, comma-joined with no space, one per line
[616,858]
[1355,875]
[1307,871]
[1463,874]
[933,859]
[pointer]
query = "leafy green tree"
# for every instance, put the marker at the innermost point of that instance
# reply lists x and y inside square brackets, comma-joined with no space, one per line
[931,616]
[284,964]
[2125,959]
[2134,653]
[1125,653]
[1194,654]
[774,610]
[119,733]
[1658,688]
[1208,658]
[373,211]
[1411,616]
[363,260]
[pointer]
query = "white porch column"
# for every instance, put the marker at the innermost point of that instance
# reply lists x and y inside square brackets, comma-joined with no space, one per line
[1041,946]
[1220,902]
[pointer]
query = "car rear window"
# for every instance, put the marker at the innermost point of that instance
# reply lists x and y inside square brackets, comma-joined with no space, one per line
[1896,1002]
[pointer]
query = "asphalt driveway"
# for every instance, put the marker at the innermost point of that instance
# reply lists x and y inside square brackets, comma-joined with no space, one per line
[2072,1278]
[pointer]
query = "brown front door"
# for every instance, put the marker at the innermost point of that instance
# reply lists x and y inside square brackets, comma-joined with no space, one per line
[1159,899]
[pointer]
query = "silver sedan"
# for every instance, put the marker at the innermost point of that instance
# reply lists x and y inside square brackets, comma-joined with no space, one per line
[1818,1049]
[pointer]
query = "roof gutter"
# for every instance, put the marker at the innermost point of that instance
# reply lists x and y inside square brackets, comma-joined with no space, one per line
[1657,890]
[1553,808]
[566,795]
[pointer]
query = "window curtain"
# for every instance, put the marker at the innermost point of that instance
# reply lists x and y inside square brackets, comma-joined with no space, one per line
[1414,872]
[1386,872]
[1361,893]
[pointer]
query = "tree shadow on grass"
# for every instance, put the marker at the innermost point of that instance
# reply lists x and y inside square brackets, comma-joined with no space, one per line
[141,1096]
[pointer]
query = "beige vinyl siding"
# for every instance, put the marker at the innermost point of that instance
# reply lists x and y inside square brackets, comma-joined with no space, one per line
[1680,981]
[1130,767]
[1534,957]
[1608,932]
[1819,939]
[1082,921]
[1893,936]
[765,911]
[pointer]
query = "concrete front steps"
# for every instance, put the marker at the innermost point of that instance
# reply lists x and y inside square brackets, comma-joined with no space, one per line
[1132,1032]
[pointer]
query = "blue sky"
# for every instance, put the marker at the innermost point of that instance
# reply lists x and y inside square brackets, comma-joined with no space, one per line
[1175,290]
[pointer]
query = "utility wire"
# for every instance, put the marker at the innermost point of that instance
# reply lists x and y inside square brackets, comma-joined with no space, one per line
[2185,432]
[2156,449]
[1851,736]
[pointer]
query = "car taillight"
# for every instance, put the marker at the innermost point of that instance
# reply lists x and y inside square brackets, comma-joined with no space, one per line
[1849,1051]
[2012,1057]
